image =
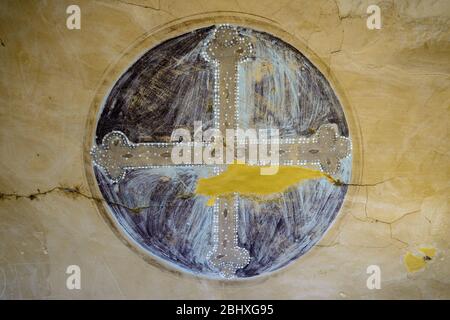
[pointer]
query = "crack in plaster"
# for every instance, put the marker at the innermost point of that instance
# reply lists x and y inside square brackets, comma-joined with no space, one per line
[77,192]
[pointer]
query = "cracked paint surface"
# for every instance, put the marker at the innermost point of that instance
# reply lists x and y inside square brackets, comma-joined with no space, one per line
[396,79]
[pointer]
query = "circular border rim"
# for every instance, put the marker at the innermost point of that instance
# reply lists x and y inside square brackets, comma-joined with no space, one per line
[175,28]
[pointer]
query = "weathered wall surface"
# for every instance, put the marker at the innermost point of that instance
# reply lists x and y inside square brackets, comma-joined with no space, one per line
[395,81]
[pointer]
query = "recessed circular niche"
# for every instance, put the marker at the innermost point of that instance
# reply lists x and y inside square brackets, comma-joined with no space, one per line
[154,205]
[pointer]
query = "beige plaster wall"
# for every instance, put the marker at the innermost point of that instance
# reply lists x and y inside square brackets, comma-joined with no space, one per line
[394,82]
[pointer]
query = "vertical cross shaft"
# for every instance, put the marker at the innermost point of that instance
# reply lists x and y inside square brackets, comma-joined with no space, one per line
[226,50]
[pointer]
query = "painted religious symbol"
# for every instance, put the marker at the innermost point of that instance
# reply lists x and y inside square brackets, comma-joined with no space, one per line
[239,64]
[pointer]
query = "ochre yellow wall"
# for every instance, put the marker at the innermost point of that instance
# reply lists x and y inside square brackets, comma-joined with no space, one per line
[394,85]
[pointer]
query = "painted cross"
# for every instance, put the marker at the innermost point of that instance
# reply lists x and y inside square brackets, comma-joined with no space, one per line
[226,51]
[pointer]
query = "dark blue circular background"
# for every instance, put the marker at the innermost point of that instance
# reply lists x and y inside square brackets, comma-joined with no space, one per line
[171,86]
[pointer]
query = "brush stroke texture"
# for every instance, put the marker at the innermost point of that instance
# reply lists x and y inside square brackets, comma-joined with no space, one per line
[171,86]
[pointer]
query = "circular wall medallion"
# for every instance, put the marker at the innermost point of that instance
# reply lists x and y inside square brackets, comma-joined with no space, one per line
[221,77]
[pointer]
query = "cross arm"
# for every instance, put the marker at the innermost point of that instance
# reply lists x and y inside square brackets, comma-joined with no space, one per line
[325,148]
[117,154]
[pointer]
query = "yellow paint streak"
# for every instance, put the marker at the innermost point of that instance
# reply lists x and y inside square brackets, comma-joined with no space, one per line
[416,262]
[413,263]
[248,181]
[429,252]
